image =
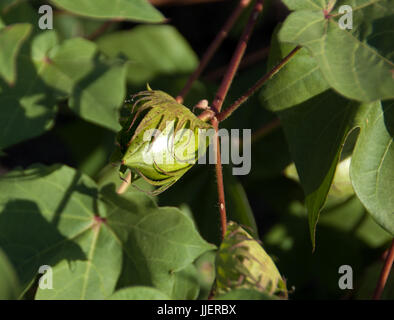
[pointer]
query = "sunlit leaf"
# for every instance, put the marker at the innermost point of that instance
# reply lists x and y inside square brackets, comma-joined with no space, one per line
[11,38]
[95,86]
[299,80]
[88,237]
[357,62]
[135,10]
[372,167]
[152,50]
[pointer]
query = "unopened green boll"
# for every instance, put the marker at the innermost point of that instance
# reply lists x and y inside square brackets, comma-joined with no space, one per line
[241,262]
[166,143]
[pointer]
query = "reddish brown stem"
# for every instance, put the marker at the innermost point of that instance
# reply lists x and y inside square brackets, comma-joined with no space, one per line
[219,177]
[226,113]
[218,101]
[237,56]
[213,48]
[385,273]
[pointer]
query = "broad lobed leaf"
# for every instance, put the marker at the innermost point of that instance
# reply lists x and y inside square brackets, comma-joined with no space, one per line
[316,122]
[94,85]
[76,69]
[28,107]
[372,167]
[355,62]
[95,240]
[152,50]
[298,81]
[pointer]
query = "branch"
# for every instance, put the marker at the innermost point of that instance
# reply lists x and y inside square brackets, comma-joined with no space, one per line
[226,113]
[219,177]
[213,48]
[237,56]
[385,273]
[218,101]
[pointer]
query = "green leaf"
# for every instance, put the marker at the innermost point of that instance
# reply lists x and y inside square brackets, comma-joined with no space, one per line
[11,39]
[19,11]
[9,286]
[205,266]
[301,4]
[135,10]
[341,187]
[299,80]
[372,167]
[88,237]
[238,201]
[27,109]
[355,62]
[316,130]
[152,50]
[95,85]
[60,228]
[199,191]
[316,126]
[6,3]
[186,284]
[139,293]
[160,243]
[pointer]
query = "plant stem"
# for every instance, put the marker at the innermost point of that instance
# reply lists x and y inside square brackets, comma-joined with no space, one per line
[218,101]
[219,177]
[125,184]
[213,48]
[385,273]
[237,56]
[226,113]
